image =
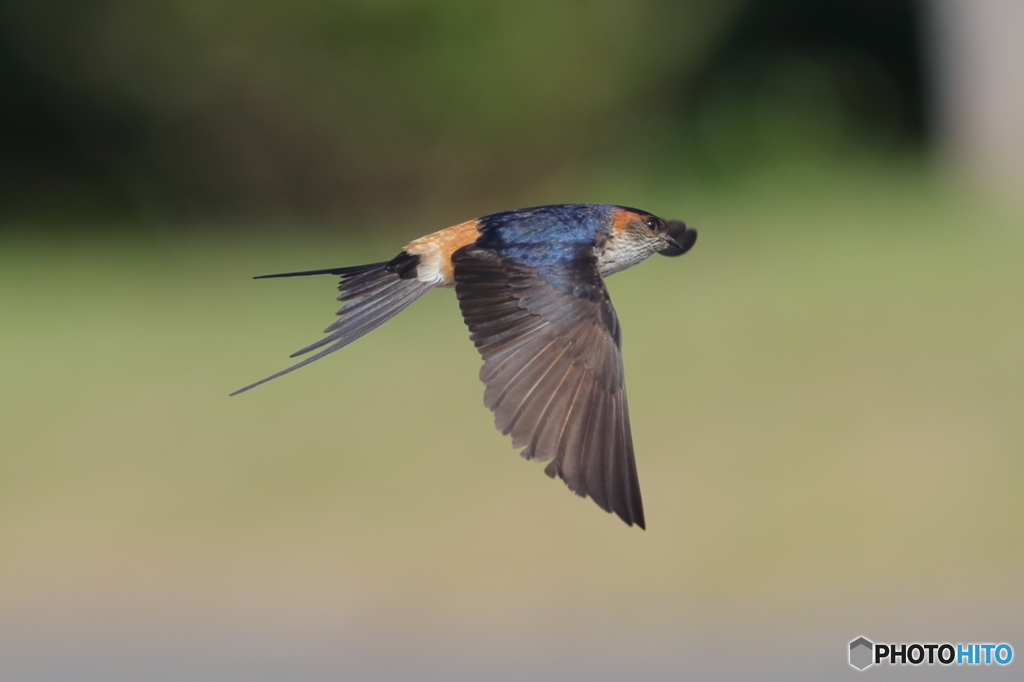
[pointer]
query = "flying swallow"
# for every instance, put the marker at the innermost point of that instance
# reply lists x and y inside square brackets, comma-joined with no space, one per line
[530,284]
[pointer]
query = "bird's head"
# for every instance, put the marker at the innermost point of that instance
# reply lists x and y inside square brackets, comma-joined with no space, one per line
[634,235]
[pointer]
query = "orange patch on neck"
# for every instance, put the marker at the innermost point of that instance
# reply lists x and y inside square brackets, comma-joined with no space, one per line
[621,218]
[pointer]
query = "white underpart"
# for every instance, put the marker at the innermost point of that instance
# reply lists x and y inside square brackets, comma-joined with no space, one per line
[625,251]
[429,270]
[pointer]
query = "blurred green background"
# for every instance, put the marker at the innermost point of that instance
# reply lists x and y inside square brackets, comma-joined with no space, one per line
[826,393]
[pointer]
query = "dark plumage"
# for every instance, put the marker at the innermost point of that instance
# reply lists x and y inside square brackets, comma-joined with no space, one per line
[531,290]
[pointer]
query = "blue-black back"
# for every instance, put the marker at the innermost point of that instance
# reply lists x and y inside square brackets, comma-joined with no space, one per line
[546,236]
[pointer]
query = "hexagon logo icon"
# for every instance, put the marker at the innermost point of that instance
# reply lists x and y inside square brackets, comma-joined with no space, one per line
[860,653]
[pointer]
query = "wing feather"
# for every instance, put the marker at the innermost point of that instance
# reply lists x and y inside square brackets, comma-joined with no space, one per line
[553,371]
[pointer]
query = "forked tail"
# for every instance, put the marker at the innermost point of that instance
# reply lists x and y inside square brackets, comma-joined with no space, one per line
[371,295]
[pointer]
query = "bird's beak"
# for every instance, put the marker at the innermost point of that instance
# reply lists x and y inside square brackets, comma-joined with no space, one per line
[679,239]
[673,243]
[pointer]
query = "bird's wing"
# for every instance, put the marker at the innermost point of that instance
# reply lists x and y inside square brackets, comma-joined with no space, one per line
[553,371]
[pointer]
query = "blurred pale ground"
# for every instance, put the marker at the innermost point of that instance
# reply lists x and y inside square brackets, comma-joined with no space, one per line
[826,397]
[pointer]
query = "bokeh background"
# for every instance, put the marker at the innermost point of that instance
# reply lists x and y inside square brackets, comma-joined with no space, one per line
[827,392]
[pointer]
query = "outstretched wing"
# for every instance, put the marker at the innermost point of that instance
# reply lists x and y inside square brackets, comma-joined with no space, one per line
[553,371]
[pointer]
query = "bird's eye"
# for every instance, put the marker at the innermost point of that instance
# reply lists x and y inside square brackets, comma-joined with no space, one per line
[652,223]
